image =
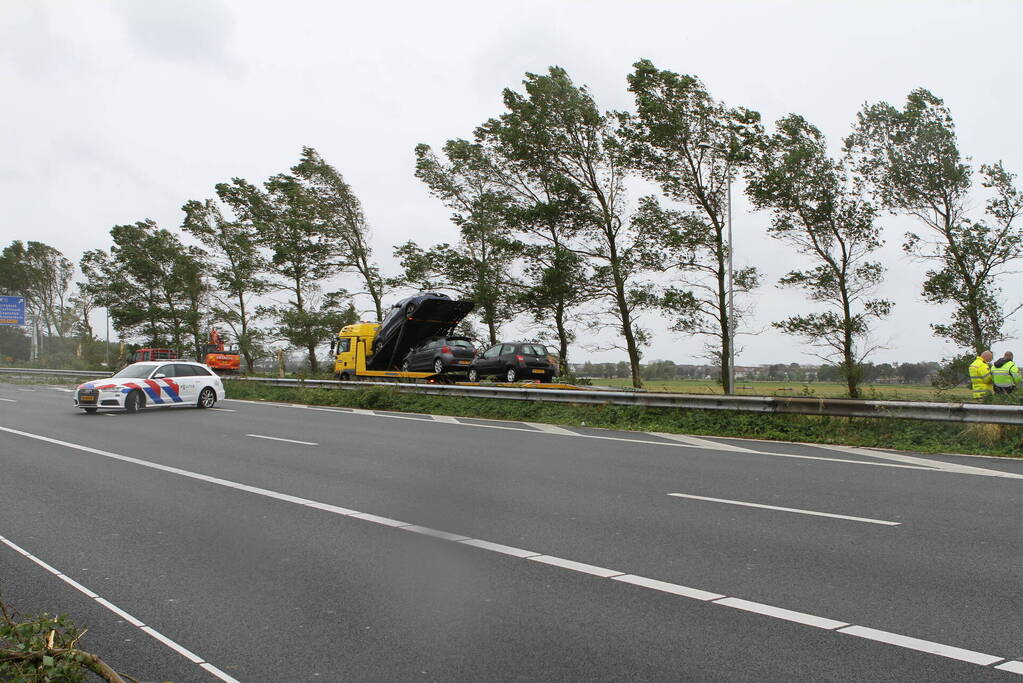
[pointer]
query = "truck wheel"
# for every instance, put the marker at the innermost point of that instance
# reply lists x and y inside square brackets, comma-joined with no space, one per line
[474,375]
[134,402]
[438,366]
[511,376]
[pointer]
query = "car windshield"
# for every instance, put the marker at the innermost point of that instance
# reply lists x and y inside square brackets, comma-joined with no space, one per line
[136,370]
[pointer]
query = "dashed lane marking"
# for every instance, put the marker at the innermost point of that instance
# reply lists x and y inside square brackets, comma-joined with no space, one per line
[277,438]
[703,443]
[8,400]
[770,611]
[783,509]
[224,410]
[551,429]
[137,623]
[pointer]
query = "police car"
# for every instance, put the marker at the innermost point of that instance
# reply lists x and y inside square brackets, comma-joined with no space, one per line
[177,383]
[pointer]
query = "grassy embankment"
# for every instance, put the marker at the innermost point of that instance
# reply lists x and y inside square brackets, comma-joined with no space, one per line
[929,437]
[881,392]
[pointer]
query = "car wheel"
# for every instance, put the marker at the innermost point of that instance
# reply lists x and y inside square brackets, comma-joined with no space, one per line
[511,375]
[90,411]
[134,402]
[438,366]
[474,375]
[207,398]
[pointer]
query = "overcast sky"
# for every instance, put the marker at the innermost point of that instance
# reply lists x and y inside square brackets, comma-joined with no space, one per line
[120,110]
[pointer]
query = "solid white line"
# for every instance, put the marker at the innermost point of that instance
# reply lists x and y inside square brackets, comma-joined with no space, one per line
[436,533]
[183,651]
[921,645]
[1012,667]
[765,610]
[576,566]
[551,429]
[780,613]
[224,410]
[665,587]
[775,507]
[446,418]
[8,400]
[498,548]
[275,438]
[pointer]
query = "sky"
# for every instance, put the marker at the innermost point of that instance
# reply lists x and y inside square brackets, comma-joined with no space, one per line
[114,111]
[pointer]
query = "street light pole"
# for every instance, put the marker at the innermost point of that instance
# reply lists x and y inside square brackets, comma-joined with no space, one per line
[731,300]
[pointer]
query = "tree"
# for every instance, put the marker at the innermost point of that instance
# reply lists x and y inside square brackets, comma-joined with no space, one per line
[822,213]
[236,266]
[302,254]
[556,131]
[478,268]
[691,145]
[151,283]
[912,158]
[339,215]
[42,275]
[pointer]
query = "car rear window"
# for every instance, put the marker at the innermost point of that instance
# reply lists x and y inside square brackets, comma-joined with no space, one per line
[532,350]
[462,343]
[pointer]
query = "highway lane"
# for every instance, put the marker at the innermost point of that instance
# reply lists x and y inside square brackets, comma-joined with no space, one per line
[598,501]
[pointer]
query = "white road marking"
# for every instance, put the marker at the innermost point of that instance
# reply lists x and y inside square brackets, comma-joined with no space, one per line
[188,654]
[614,575]
[1012,667]
[8,400]
[703,443]
[551,429]
[934,464]
[597,436]
[69,391]
[665,587]
[20,389]
[576,566]
[781,509]
[276,438]
[436,533]
[780,613]
[109,414]
[224,410]
[446,418]
[921,645]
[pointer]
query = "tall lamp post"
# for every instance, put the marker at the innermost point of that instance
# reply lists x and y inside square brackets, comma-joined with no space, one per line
[729,378]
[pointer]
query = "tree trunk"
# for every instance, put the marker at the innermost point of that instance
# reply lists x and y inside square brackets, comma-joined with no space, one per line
[559,322]
[314,365]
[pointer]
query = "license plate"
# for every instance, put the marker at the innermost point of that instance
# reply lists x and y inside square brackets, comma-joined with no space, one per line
[463,362]
[87,399]
[538,372]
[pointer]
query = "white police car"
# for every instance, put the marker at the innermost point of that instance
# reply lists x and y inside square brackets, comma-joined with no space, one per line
[162,383]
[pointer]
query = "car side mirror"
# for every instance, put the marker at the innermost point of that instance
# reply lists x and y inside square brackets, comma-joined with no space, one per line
[159,375]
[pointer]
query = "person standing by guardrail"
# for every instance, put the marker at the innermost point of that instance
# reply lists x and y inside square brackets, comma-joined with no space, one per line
[980,376]
[1005,374]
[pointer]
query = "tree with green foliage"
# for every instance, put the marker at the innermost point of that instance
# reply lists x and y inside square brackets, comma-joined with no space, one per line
[42,275]
[340,215]
[479,267]
[152,284]
[820,211]
[692,146]
[286,218]
[237,266]
[555,131]
[912,158]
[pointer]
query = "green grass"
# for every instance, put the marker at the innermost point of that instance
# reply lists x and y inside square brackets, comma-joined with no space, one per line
[888,392]
[915,435]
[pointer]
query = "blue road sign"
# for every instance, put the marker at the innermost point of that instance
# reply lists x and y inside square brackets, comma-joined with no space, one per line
[12,310]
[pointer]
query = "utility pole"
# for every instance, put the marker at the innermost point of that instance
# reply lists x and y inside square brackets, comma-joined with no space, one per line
[107,347]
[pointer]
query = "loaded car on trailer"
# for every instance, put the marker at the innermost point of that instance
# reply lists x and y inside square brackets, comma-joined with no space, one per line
[513,361]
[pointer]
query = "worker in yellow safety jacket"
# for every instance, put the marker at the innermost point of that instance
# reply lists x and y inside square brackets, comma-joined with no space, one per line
[980,376]
[1005,374]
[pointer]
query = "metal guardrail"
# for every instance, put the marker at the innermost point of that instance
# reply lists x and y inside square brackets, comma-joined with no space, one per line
[783,405]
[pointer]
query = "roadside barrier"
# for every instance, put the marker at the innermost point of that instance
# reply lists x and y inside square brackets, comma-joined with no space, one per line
[792,405]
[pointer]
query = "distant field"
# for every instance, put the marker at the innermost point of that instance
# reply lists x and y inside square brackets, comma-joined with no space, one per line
[893,392]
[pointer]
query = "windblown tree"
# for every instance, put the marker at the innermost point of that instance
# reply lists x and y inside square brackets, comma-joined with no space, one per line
[152,284]
[340,215]
[692,147]
[287,223]
[555,131]
[236,266]
[478,267]
[819,210]
[42,275]
[912,158]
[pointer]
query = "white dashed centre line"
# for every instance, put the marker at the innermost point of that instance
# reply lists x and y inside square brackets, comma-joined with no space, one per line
[781,509]
[771,611]
[224,410]
[277,438]
[8,400]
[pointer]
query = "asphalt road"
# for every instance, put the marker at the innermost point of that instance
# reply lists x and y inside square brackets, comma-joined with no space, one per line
[267,542]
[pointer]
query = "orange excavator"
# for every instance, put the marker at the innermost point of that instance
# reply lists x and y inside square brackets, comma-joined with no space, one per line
[223,361]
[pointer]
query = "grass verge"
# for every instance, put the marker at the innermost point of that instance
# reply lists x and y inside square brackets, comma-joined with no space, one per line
[913,435]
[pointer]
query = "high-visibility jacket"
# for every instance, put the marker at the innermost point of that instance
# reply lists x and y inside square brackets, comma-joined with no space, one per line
[980,378]
[1005,376]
